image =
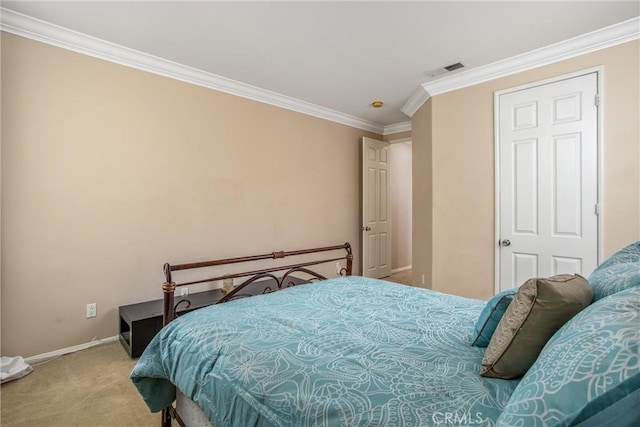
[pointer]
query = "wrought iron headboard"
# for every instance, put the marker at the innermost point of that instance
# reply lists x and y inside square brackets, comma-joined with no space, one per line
[169,286]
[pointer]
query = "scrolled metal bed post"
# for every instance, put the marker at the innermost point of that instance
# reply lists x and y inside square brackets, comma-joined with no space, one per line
[168,289]
[166,418]
[349,258]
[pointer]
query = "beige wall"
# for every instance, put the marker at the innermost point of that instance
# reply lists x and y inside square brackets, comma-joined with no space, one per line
[1,222]
[108,172]
[400,165]
[463,169]
[422,165]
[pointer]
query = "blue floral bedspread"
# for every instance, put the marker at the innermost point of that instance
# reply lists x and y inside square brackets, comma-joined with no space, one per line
[349,351]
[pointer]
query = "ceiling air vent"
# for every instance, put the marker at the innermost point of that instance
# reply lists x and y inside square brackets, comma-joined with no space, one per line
[455,66]
[446,69]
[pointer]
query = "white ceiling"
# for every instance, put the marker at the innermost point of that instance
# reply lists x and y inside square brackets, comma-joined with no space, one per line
[337,55]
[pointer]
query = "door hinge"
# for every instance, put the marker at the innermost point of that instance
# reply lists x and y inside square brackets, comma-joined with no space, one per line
[597,100]
[597,209]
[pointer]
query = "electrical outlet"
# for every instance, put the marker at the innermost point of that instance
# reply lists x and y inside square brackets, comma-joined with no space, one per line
[338,267]
[423,279]
[92,310]
[184,292]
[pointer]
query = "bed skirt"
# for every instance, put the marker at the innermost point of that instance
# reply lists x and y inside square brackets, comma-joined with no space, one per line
[189,411]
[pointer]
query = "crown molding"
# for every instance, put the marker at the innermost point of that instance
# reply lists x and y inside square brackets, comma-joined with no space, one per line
[45,32]
[613,35]
[576,46]
[397,128]
[406,140]
[415,101]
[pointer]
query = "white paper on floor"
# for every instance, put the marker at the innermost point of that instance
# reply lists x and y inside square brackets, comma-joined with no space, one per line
[12,368]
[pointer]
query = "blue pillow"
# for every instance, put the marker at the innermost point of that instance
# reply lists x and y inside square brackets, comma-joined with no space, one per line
[588,368]
[490,317]
[621,271]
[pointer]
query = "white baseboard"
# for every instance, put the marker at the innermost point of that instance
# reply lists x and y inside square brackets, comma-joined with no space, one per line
[398,270]
[57,353]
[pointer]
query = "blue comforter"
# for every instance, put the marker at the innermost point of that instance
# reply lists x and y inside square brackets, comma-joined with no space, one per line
[348,351]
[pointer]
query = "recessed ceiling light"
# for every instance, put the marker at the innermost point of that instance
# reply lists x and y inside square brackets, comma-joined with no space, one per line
[377,104]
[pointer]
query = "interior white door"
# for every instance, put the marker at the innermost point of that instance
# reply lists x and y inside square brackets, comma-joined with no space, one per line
[548,164]
[376,209]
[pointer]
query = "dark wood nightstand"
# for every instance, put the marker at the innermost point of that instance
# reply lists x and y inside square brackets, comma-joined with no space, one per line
[139,323]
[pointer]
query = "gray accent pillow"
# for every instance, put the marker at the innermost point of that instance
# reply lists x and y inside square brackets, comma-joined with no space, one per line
[538,310]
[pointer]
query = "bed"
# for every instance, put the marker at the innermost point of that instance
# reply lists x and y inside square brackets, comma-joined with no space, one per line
[352,351]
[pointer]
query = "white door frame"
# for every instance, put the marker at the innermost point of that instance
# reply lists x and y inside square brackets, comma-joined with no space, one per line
[599,71]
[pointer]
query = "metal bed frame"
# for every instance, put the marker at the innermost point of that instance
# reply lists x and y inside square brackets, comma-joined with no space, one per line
[285,280]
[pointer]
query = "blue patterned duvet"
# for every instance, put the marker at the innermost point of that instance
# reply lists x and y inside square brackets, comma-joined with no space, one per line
[348,351]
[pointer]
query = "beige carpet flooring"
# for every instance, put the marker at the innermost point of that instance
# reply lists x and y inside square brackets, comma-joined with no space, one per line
[84,389]
[403,277]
